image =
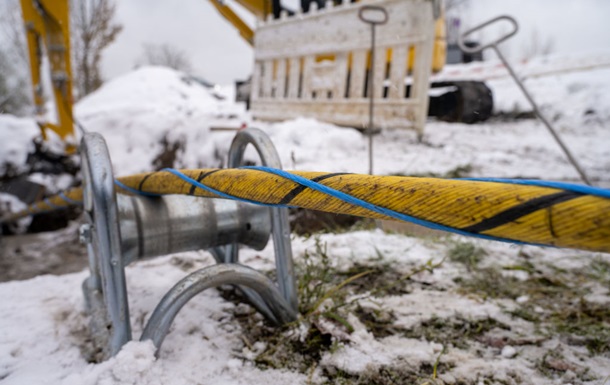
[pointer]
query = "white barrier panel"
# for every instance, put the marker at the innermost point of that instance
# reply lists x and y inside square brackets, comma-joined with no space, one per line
[316,65]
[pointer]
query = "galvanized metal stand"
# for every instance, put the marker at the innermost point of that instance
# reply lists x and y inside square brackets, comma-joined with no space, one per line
[494,46]
[123,229]
[105,290]
[279,216]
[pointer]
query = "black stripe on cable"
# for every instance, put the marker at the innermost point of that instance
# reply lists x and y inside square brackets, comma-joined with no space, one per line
[514,213]
[141,185]
[300,188]
[202,176]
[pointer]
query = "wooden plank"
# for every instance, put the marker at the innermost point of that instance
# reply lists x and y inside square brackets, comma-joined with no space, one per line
[341,68]
[356,89]
[306,89]
[351,113]
[340,30]
[280,79]
[294,73]
[267,78]
[379,71]
[422,68]
[398,72]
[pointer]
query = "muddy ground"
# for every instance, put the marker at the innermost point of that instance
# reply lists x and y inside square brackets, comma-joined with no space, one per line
[29,255]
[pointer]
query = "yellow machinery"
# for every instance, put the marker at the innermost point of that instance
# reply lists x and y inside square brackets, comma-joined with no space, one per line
[48,29]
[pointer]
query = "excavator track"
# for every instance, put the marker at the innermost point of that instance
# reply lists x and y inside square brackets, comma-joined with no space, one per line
[465,102]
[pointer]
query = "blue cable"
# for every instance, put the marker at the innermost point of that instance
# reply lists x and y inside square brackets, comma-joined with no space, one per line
[214,191]
[378,209]
[68,200]
[51,205]
[134,191]
[583,189]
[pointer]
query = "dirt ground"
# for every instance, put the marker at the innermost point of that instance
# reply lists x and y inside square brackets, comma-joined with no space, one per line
[29,255]
[60,252]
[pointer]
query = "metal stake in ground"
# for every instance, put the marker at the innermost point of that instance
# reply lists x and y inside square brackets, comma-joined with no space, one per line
[494,45]
[373,15]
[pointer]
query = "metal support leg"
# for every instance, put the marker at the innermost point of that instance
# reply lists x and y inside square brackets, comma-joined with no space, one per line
[222,274]
[105,289]
[279,216]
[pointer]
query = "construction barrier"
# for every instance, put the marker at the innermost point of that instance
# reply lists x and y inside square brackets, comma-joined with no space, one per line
[316,65]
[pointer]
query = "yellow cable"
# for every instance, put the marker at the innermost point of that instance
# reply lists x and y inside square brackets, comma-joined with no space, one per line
[531,214]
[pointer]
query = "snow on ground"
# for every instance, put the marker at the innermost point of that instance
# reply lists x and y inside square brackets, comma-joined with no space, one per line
[137,112]
[43,328]
[17,135]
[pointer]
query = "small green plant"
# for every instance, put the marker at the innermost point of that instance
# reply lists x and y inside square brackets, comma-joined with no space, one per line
[467,254]
[327,298]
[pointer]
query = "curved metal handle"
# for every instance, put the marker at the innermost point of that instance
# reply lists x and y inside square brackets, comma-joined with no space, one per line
[479,48]
[373,14]
[212,276]
[279,216]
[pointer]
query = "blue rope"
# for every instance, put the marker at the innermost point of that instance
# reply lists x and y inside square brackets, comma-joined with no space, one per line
[378,209]
[583,189]
[68,200]
[134,191]
[51,205]
[214,191]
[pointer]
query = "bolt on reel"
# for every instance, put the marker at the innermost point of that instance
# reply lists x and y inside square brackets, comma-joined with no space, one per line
[122,229]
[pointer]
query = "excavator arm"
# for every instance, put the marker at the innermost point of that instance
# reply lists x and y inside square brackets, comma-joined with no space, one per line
[229,14]
[259,8]
[48,29]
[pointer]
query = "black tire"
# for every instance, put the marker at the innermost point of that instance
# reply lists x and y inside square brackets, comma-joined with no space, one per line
[470,102]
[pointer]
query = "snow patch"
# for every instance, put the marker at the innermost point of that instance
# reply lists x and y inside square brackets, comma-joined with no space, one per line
[137,112]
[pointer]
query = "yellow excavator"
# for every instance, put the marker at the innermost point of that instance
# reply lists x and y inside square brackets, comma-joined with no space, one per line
[47,31]
[47,26]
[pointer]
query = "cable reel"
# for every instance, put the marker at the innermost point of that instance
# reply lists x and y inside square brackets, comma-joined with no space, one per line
[122,229]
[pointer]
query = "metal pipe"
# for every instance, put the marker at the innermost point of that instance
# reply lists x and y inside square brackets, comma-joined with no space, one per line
[174,223]
[221,274]
[494,44]
[543,118]
[373,15]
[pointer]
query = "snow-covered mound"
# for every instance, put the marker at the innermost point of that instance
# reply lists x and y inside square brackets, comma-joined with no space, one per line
[138,112]
[307,144]
[16,135]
